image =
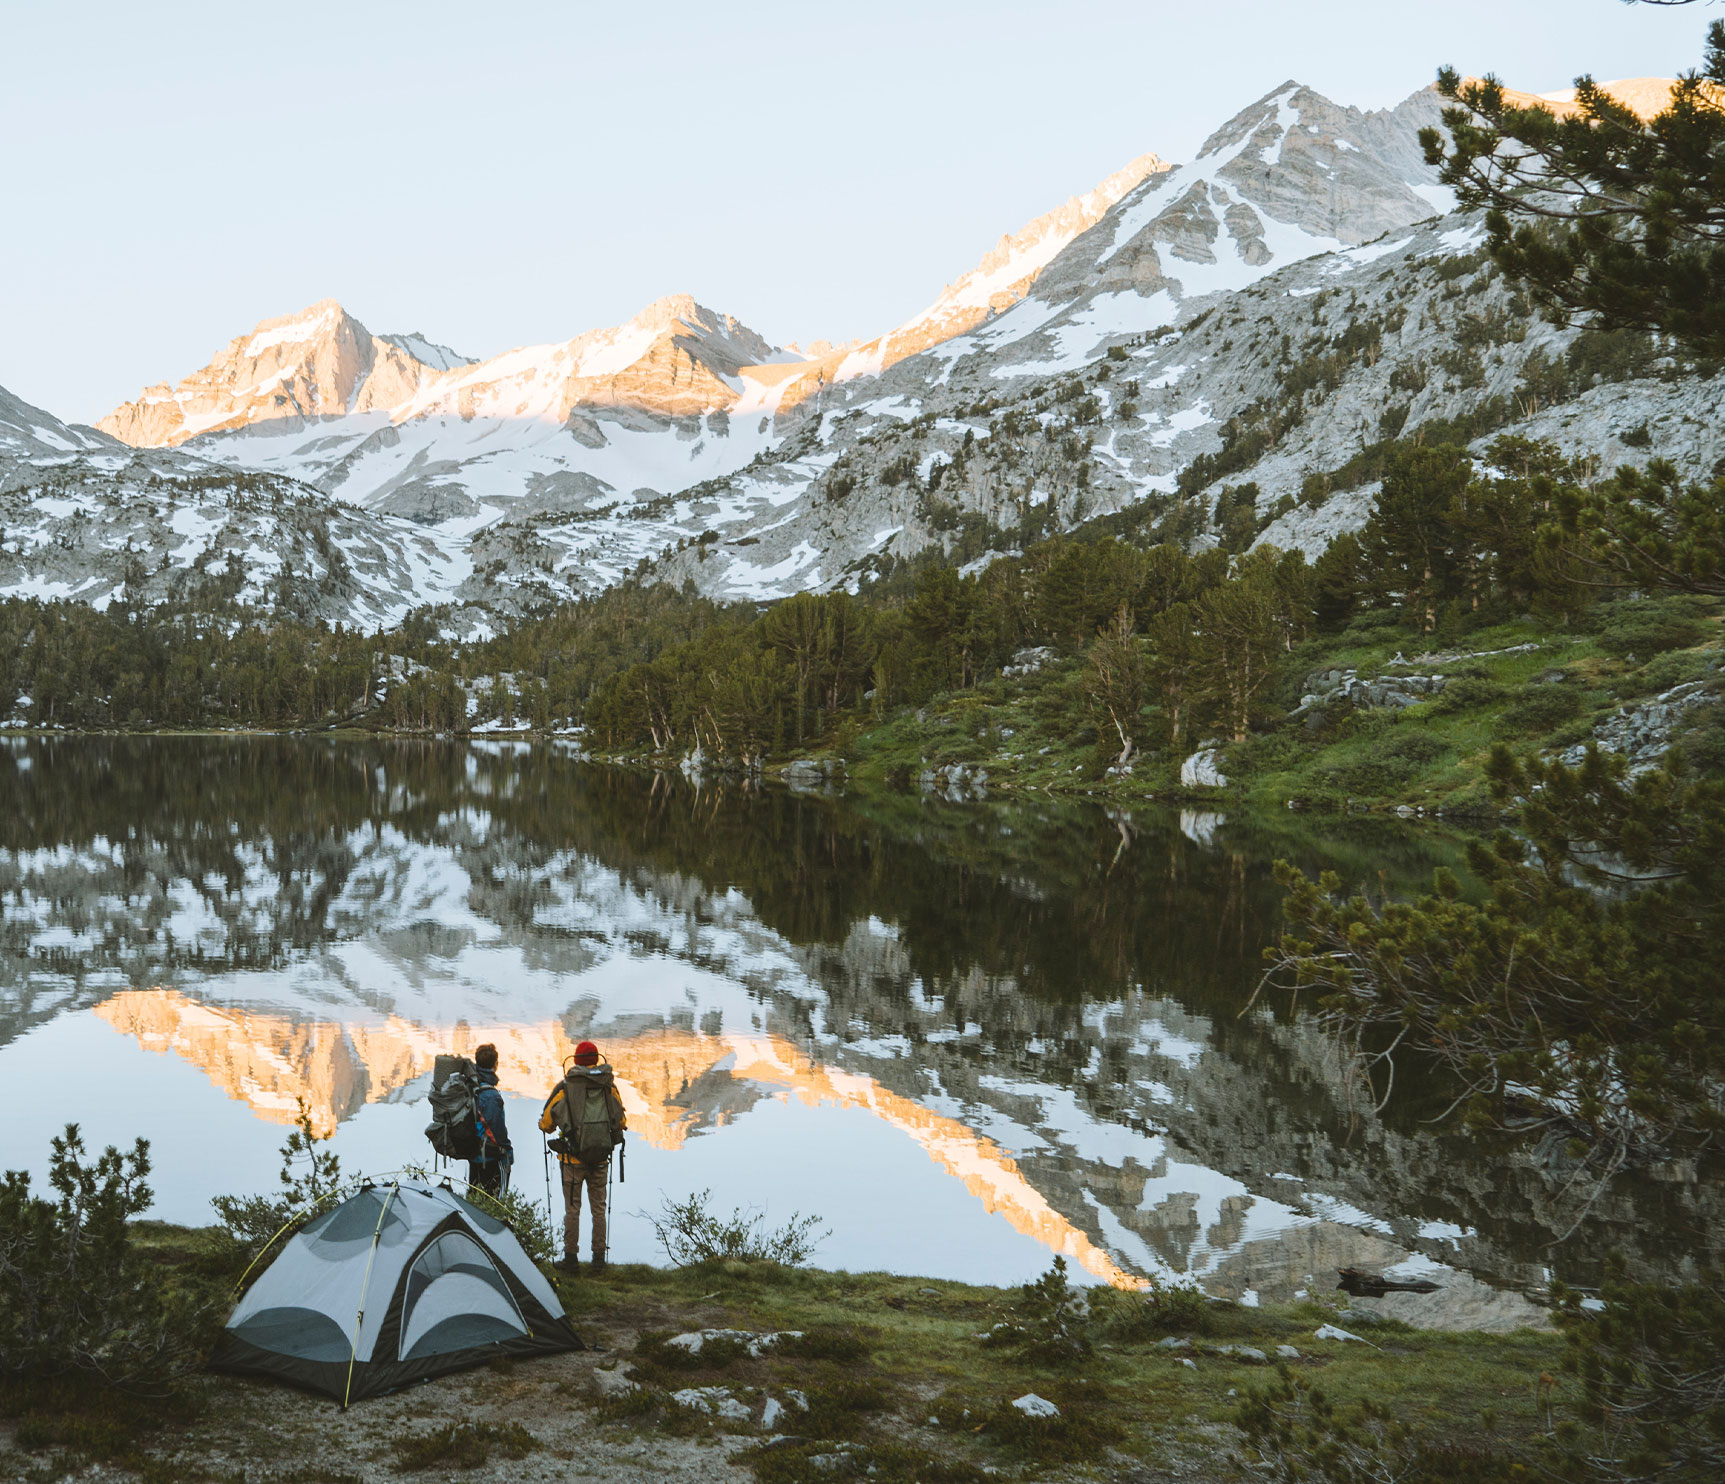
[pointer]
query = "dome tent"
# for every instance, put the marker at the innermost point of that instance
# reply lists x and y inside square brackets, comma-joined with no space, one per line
[397,1284]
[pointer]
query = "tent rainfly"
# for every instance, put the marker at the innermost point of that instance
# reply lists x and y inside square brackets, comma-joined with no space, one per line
[395,1285]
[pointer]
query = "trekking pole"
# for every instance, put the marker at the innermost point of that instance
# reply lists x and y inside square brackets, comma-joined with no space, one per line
[545,1149]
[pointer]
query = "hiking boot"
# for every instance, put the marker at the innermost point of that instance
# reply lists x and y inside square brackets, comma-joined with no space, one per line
[597,1266]
[568,1264]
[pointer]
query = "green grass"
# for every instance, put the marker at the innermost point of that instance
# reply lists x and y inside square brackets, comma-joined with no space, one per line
[462,1445]
[880,1355]
[1032,734]
[910,1352]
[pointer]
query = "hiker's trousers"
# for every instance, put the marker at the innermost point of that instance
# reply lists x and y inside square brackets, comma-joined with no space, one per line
[574,1178]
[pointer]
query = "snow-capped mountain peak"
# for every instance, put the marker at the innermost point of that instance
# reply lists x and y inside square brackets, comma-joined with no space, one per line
[1290,175]
[1001,279]
[29,433]
[320,362]
[427,352]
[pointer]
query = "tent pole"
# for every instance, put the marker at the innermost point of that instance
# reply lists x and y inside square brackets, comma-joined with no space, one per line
[359,1318]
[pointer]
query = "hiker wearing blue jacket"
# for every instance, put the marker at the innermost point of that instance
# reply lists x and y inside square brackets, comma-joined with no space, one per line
[490,1171]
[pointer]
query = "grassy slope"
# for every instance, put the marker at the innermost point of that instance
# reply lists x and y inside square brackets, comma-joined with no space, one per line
[885,1355]
[1032,733]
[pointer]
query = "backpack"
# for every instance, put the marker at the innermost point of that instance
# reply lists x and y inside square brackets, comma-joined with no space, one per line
[454,1126]
[585,1117]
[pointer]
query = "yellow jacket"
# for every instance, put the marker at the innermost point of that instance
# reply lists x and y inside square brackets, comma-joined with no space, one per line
[547,1123]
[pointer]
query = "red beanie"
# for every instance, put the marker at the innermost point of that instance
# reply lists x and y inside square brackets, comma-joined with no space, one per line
[586,1054]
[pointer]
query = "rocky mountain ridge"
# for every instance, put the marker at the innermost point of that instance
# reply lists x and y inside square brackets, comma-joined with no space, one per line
[84,517]
[1208,346]
[318,363]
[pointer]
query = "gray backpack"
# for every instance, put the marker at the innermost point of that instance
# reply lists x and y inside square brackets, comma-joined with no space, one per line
[454,1126]
[585,1116]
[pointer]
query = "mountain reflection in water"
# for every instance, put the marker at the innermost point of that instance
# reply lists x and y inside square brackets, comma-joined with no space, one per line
[1039,1002]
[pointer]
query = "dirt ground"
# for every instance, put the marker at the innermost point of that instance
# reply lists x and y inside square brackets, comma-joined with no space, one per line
[909,1344]
[269,1434]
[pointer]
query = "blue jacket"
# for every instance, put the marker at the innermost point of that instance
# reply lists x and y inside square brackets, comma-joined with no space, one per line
[493,1134]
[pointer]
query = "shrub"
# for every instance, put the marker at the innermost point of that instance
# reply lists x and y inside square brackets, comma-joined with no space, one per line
[798,1461]
[75,1300]
[462,1445]
[1644,628]
[1393,763]
[836,1408]
[1540,710]
[1049,1323]
[1372,626]
[1083,1428]
[825,1342]
[716,1352]
[1465,692]
[1299,1435]
[1703,742]
[308,1179]
[1160,1308]
[1649,1360]
[1674,667]
[690,1234]
[526,1218]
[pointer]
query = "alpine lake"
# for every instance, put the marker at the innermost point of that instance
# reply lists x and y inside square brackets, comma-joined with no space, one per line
[967,1036]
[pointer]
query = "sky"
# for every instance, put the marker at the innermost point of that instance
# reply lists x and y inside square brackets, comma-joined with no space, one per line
[514,173]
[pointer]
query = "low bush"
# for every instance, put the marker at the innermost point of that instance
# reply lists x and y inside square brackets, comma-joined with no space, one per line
[837,1409]
[75,1299]
[1161,1308]
[690,1233]
[1674,667]
[1081,1429]
[1703,741]
[797,1461]
[715,1354]
[1374,626]
[1642,627]
[1049,1323]
[1393,763]
[825,1342]
[1297,1436]
[1268,752]
[1467,692]
[309,1179]
[1540,709]
[462,1445]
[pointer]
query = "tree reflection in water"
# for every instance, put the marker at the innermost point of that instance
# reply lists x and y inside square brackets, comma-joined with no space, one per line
[1044,996]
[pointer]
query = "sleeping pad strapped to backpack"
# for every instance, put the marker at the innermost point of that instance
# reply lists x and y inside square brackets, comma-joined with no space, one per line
[454,1126]
[586,1116]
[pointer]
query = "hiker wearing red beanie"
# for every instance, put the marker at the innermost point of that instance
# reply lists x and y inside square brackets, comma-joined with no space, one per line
[585,1114]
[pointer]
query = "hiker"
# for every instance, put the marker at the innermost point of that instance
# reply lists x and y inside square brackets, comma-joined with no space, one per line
[587,1116]
[489,1169]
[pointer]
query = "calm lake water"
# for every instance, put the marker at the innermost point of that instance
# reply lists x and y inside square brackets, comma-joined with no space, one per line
[967,1036]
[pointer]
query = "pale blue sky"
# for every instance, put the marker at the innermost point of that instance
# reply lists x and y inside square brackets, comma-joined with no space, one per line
[504,174]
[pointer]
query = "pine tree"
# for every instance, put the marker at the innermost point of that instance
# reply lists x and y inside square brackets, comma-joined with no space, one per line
[1114,681]
[1410,547]
[1606,218]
